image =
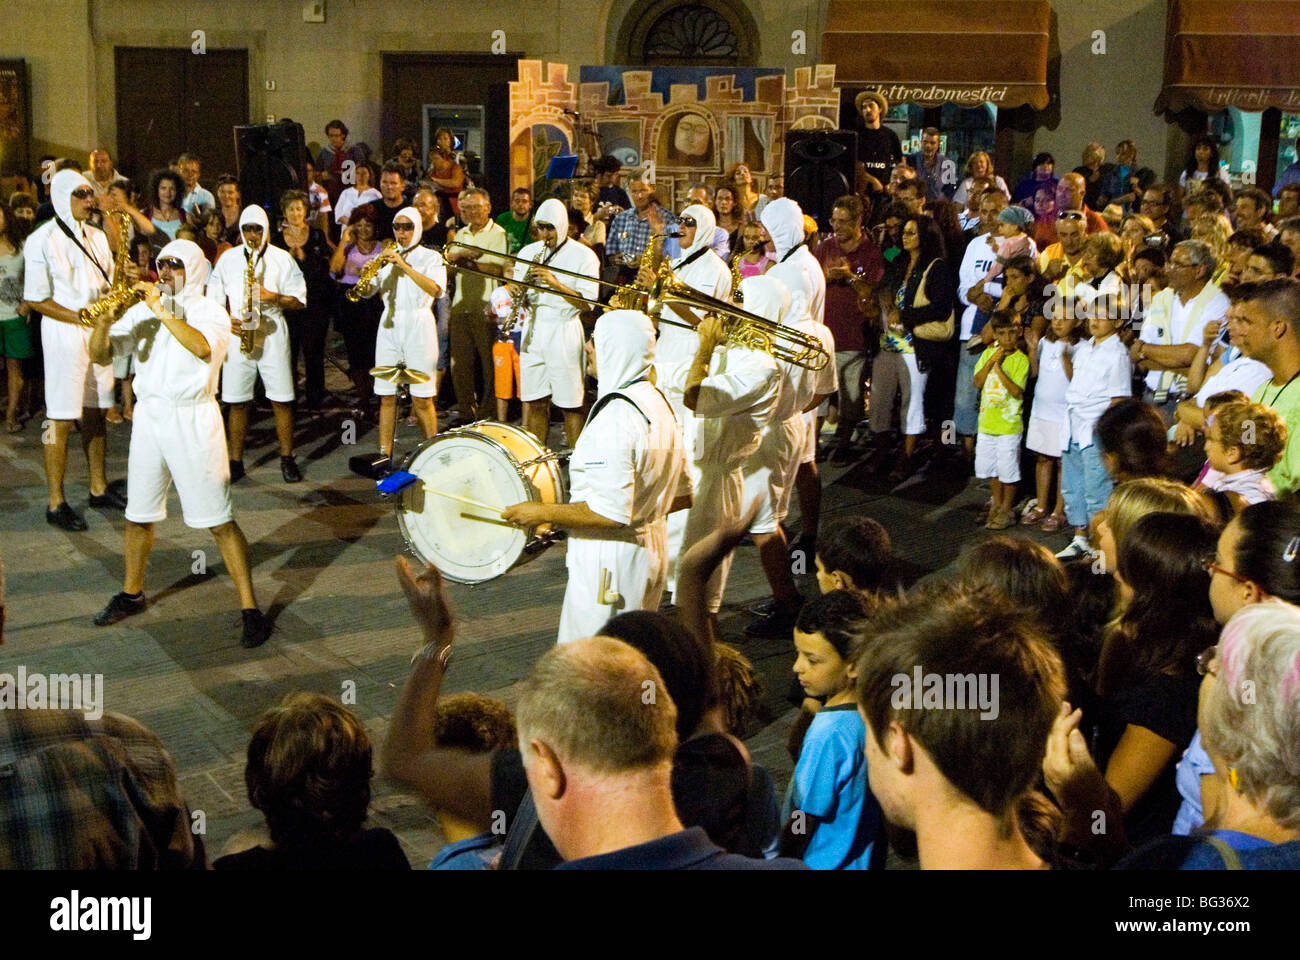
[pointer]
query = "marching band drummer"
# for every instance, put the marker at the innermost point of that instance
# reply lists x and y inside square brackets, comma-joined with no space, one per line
[411,279]
[627,473]
[279,286]
[179,339]
[700,269]
[732,391]
[551,353]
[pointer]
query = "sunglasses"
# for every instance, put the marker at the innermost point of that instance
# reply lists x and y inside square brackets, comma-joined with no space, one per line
[686,221]
[171,263]
[83,193]
[404,227]
[543,226]
[251,228]
[1204,659]
[1071,215]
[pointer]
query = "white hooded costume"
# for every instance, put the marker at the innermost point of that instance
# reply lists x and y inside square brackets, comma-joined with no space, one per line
[735,404]
[408,331]
[628,465]
[794,259]
[550,354]
[703,270]
[178,434]
[276,270]
[56,268]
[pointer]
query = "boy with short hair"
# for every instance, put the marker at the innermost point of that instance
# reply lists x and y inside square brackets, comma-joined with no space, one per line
[853,554]
[1000,376]
[1243,442]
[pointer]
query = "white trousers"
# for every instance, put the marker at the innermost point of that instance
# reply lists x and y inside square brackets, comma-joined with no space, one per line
[608,577]
[717,503]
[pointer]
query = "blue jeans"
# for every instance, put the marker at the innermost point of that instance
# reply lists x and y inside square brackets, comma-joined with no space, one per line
[1084,483]
[966,406]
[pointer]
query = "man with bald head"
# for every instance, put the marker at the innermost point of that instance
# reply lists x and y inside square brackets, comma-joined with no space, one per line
[1070,194]
[597,730]
[102,173]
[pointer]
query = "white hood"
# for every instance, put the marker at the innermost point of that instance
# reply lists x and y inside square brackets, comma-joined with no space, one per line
[196,266]
[625,349]
[414,216]
[256,215]
[705,223]
[766,296]
[61,188]
[784,222]
[555,213]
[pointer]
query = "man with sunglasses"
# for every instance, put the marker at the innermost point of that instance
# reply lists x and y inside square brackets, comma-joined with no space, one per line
[179,339]
[1062,262]
[412,278]
[278,286]
[68,265]
[551,353]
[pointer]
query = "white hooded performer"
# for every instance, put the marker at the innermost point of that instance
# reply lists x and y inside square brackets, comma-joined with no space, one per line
[412,278]
[179,339]
[732,391]
[551,353]
[703,270]
[278,285]
[67,265]
[627,473]
[770,472]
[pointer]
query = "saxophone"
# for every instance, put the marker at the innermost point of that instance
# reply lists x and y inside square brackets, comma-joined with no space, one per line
[248,334]
[737,297]
[368,273]
[635,297]
[121,293]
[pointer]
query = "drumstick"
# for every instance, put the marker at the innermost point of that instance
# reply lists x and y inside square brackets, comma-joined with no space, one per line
[465,500]
[481,519]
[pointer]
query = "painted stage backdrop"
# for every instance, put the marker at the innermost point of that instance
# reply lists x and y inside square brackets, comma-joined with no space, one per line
[689,124]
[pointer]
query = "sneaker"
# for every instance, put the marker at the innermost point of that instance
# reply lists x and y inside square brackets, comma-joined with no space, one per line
[119,608]
[1077,549]
[256,629]
[65,518]
[289,470]
[777,624]
[236,471]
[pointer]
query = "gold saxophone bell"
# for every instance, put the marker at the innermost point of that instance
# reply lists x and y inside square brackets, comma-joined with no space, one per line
[368,273]
[120,294]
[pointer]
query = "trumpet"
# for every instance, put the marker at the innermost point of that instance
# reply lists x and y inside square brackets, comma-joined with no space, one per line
[743,328]
[368,273]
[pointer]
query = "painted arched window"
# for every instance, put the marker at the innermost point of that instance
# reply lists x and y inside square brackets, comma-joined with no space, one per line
[717,33]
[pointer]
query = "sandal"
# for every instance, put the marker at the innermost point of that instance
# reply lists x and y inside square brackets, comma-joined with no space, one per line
[1033,516]
[1000,520]
[1052,523]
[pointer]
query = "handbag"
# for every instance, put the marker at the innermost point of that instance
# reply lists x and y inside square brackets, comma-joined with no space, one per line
[936,330]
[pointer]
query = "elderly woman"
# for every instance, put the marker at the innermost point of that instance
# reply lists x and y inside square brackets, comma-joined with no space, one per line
[979,166]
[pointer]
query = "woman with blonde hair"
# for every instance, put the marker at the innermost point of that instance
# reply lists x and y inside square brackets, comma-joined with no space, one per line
[1133,233]
[1214,229]
[1134,499]
[980,165]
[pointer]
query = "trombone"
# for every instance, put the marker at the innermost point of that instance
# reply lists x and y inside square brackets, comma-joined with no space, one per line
[743,328]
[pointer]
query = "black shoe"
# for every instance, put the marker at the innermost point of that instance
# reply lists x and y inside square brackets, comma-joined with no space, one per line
[843,455]
[763,608]
[236,471]
[119,608]
[289,470]
[109,498]
[256,629]
[779,623]
[65,518]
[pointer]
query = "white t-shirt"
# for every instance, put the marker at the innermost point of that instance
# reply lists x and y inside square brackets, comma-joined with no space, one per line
[1101,373]
[676,345]
[399,292]
[1241,373]
[572,255]
[163,366]
[1170,321]
[737,400]
[1049,394]
[198,197]
[975,263]
[349,200]
[54,268]
[627,469]
[275,269]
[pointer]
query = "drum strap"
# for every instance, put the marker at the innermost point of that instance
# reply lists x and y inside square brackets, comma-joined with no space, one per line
[603,401]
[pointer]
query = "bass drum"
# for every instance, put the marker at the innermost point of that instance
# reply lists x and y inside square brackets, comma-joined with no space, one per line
[451,516]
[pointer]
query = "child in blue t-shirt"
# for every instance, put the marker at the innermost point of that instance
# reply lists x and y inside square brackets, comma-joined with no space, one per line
[834,819]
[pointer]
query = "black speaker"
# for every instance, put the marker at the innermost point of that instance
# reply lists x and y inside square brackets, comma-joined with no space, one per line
[819,169]
[272,159]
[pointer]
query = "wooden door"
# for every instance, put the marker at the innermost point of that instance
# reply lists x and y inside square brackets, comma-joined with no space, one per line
[171,101]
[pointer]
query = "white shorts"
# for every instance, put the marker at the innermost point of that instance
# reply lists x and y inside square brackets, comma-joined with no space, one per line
[185,443]
[718,492]
[1044,436]
[998,456]
[636,574]
[809,454]
[123,365]
[72,382]
[269,360]
[551,363]
[412,339]
[769,474]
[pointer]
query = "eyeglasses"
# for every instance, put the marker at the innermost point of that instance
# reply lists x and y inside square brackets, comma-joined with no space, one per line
[251,228]
[1204,659]
[543,226]
[83,193]
[1211,567]
[1070,215]
[686,221]
[1180,263]
[171,263]
[403,226]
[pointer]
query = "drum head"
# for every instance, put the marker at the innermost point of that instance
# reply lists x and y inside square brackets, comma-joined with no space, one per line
[467,543]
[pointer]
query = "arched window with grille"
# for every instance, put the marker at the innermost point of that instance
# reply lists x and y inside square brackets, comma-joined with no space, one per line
[702,33]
